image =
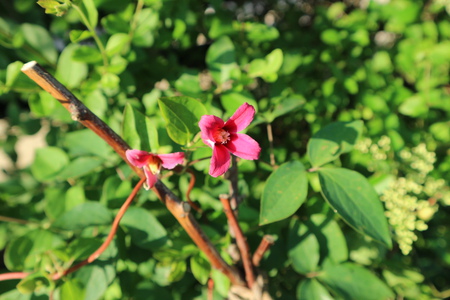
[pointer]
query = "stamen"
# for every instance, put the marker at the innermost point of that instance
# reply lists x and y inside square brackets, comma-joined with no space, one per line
[221,136]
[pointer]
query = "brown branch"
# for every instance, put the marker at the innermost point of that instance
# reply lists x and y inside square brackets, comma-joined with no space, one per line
[241,241]
[82,114]
[265,244]
[110,236]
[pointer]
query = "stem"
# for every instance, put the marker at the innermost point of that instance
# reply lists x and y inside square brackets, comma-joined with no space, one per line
[133,25]
[82,114]
[110,236]
[13,275]
[94,35]
[240,240]
[265,244]
[14,220]
[188,192]
[270,138]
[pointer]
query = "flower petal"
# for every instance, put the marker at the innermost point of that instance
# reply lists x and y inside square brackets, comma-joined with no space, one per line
[243,146]
[169,161]
[138,158]
[220,161]
[208,125]
[151,178]
[241,118]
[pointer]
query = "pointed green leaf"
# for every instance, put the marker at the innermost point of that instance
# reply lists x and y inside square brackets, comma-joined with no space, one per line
[70,72]
[145,230]
[333,140]
[81,216]
[351,281]
[181,115]
[200,268]
[284,192]
[139,131]
[311,289]
[221,59]
[42,43]
[72,289]
[48,163]
[90,11]
[79,35]
[355,200]
[36,282]
[303,248]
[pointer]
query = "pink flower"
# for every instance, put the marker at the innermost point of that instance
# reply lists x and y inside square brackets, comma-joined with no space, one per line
[152,163]
[223,138]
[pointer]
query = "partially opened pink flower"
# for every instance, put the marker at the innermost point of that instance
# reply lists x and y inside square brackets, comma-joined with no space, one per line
[152,163]
[223,138]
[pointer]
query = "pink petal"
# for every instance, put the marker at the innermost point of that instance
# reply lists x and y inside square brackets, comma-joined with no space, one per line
[151,178]
[138,158]
[169,161]
[220,161]
[243,146]
[241,118]
[208,125]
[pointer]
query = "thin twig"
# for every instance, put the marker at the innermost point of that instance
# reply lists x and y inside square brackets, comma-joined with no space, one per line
[265,244]
[13,275]
[270,138]
[241,241]
[14,220]
[188,192]
[110,236]
[82,114]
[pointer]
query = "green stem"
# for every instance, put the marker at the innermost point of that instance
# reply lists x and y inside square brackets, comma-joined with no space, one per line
[139,6]
[94,35]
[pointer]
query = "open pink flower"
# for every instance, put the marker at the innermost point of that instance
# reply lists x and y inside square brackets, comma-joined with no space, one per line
[223,138]
[152,163]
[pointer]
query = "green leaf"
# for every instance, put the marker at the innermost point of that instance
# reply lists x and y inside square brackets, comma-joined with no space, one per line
[189,83]
[284,192]
[96,278]
[181,115]
[221,59]
[15,78]
[42,104]
[84,215]
[87,54]
[72,289]
[139,131]
[33,243]
[79,167]
[90,12]
[41,41]
[258,32]
[200,268]
[333,245]
[221,282]
[91,144]
[232,100]
[79,35]
[311,289]
[70,72]
[287,105]
[145,230]
[82,248]
[333,140]
[274,61]
[58,201]
[35,282]
[355,200]
[146,25]
[351,281]
[414,106]
[48,163]
[117,44]
[303,248]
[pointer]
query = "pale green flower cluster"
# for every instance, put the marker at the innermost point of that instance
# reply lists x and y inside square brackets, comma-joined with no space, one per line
[410,201]
[379,151]
[406,212]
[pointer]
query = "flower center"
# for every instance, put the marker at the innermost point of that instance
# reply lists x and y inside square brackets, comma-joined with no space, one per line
[221,136]
[154,164]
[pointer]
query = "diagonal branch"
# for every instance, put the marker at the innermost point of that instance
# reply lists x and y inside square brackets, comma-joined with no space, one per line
[178,208]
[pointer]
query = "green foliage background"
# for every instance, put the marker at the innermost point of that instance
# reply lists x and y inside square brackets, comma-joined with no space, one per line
[302,64]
